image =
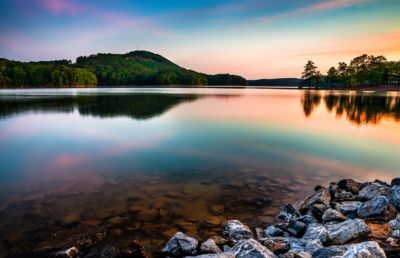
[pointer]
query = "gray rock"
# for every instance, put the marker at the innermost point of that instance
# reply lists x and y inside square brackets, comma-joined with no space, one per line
[372,190]
[315,231]
[287,213]
[220,255]
[273,231]
[349,185]
[67,253]
[313,246]
[395,223]
[394,196]
[307,219]
[396,234]
[296,228]
[317,210]
[365,249]
[296,254]
[209,247]
[331,251]
[373,208]
[322,196]
[346,231]
[236,230]
[395,181]
[250,248]
[180,245]
[349,208]
[343,196]
[333,215]
[276,244]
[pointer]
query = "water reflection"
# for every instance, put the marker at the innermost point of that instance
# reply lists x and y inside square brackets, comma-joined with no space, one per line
[136,106]
[364,108]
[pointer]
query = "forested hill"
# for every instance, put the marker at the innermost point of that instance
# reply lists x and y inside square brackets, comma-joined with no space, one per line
[146,68]
[133,68]
[275,82]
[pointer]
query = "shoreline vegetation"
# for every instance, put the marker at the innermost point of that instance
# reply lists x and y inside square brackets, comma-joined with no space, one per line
[145,69]
[345,219]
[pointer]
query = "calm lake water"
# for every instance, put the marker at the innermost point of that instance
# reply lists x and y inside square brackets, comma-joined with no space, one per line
[147,162]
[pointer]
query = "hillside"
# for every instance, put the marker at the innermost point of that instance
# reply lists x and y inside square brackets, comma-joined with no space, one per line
[275,82]
[146,68]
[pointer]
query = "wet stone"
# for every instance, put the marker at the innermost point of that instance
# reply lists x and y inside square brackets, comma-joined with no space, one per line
[372,190]
[251,248]
[349,208]
[365,249]
[346,231]
[394,196]
[322,196]
[209,246]
[349,185]
[287,213]
[373,208]
[235,231]
[180,245]
[333,215]
[273,231]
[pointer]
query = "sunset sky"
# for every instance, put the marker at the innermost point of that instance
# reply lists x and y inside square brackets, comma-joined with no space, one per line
[253,38]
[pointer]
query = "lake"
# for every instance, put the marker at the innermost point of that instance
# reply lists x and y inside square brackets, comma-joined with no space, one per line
[147,162]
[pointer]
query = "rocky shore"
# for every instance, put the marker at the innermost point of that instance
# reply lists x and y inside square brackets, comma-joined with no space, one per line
[345,219]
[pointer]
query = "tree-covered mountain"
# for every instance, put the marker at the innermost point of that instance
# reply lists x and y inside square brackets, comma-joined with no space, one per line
[146,68]
[44,74]
[275,82]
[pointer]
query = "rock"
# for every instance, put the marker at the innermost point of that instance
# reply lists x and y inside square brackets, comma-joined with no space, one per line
[273,231]
[313,246]
[276,244]
[219,240]
[322,196]
[343,196]
[396,234]
[209,246]
[349,208]
[395,181]
[296,228]
[220,255]
[365,249]
[373,208]
[315,231]
[251,248]
[93,253]
[67,253]
[346,231]
[331,251]
[236,230]
[134,250]
[109,252]
[372,190]
[287,213]
[349,185]
[395,223]
[394,196]
[180,245]
[332,215]
[317,210]
[296,254]
[307,219]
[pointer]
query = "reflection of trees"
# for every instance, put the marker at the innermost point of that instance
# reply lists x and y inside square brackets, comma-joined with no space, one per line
[137,106]
[310,101]
[358,108]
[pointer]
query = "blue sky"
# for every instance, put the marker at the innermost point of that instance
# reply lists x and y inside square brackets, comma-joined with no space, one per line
[253,38]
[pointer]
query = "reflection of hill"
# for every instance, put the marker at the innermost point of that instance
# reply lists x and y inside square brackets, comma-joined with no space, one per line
[358,108]
[136,106]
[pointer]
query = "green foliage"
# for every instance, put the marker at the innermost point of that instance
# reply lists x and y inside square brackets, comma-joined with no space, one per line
[226,79]
[43,74]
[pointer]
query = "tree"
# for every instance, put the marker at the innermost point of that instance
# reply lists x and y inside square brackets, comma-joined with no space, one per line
[332,76]
[310,70]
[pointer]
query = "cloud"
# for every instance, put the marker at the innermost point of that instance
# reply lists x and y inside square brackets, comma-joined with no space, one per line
[62,6]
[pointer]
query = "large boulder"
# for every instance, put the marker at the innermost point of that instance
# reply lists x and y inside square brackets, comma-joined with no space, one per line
[372,190]
[349,185]
[315,231]
[251,248]
[180,245]
[236,230]
[321,196]
[377,207]
[394,196]
[287,213]
[346,231]
[364,250]
[349,208]
[333,215]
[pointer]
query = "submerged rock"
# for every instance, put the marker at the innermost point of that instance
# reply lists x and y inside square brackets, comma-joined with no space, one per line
[333,215]
[180,245]
[365,249]
[251,248]
[346,231]
[236,230]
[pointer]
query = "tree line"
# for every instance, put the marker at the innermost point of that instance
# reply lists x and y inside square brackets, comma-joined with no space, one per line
[362,70]
[43,74]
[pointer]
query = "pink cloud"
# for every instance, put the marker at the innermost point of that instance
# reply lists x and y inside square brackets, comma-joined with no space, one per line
[61,6]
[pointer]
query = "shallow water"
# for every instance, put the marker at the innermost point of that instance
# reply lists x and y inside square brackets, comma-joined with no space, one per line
[148,162]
